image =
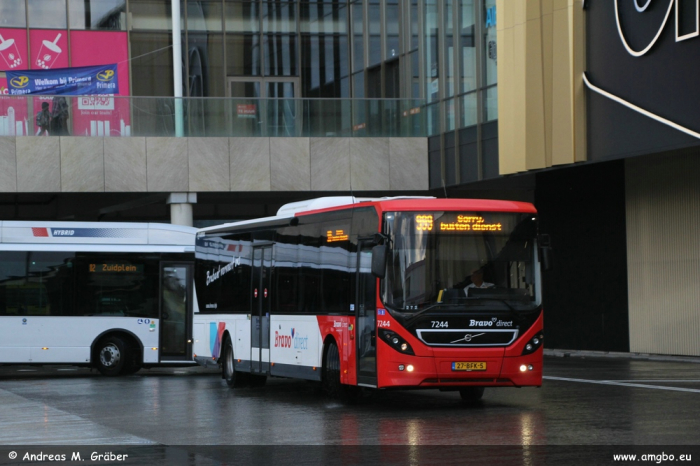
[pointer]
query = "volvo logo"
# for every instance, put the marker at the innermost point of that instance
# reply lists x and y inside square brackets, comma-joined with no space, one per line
[468,337]
[641,6]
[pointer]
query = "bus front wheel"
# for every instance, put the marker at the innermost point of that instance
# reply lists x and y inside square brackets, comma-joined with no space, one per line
[331,378]
[111,356]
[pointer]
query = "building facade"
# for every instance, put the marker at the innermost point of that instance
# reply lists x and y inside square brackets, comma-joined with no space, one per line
[597,110]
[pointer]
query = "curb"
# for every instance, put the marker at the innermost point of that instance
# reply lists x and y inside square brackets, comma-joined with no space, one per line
[562,353]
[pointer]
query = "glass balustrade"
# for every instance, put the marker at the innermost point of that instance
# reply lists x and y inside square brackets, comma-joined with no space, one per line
[105,116]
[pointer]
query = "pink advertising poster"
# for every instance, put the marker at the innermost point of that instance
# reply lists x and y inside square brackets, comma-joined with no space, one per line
[48,49]
[101,115]
[14,120]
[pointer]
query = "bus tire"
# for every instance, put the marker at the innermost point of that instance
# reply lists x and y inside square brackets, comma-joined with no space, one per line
[233,378]
[133,364]
[331,378]
[111,356]
[471,394]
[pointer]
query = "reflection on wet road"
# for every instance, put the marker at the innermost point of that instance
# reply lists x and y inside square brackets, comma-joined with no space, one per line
[583,402]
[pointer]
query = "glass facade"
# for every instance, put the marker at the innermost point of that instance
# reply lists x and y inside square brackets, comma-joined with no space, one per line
[443,53]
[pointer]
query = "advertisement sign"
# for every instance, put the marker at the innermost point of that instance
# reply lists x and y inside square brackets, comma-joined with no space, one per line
[49,49]
[14,119]
[102,115]
[13,52]
[246,110]
[65,81]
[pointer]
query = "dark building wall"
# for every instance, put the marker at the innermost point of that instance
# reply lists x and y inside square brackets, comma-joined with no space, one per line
[585,291]
[662,81]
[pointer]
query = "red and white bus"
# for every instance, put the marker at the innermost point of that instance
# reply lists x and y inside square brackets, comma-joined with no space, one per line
[383,293]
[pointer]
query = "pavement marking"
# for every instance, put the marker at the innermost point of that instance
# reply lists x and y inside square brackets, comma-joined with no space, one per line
[26,370]
[623,384]
[660,380]
[34,422]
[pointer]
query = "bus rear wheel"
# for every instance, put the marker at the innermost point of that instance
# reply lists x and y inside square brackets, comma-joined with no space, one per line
[111,356]
[234,379]
[471,394]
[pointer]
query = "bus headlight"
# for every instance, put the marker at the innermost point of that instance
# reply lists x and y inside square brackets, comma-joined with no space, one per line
[394,340]
[534,344]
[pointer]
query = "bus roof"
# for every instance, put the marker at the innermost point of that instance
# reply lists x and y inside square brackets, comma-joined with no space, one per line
[98,235]
[385,204]
[406,204]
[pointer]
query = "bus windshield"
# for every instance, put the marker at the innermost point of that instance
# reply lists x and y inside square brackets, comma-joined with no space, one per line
[453,260]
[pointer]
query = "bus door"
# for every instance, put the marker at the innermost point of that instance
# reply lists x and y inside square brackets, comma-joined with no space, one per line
[366,316]
[176,311]
[260,312]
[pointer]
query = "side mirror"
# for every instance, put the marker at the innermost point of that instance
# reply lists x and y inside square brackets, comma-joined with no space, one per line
[379,256]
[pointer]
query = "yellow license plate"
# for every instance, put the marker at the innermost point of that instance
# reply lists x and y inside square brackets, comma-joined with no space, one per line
[468,366]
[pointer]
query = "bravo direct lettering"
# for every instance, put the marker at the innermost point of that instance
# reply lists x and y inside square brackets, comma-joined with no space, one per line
[291,341]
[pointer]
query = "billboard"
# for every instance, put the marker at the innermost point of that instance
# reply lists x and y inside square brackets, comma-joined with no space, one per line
[84,80]
[14,119]
[48,50]
[102,115]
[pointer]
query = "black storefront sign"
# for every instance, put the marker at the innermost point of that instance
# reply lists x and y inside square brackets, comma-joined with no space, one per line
[642,68]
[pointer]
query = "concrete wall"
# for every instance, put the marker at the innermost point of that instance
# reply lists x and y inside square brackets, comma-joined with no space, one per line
[663,253]
[144,164]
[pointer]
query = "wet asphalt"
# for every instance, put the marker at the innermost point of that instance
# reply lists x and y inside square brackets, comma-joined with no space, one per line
[584,402]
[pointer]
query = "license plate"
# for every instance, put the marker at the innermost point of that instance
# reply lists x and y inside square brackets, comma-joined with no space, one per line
[468,366]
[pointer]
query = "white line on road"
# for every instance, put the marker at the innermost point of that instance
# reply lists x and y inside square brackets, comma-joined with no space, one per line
[660,380]
[623,384]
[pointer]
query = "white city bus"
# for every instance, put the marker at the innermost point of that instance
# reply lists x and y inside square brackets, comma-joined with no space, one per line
[114,296]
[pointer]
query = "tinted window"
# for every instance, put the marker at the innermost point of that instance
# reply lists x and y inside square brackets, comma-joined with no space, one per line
[223,274]
[117,285]
[36,283]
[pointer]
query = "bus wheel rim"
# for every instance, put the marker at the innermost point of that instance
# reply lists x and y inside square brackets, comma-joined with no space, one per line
[109,356]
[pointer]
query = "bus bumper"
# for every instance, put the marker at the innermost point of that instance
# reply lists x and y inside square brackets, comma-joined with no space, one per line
[439,372]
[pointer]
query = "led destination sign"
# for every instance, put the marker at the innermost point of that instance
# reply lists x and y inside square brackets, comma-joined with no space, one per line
[465,223]
[115,268]
[337,235]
